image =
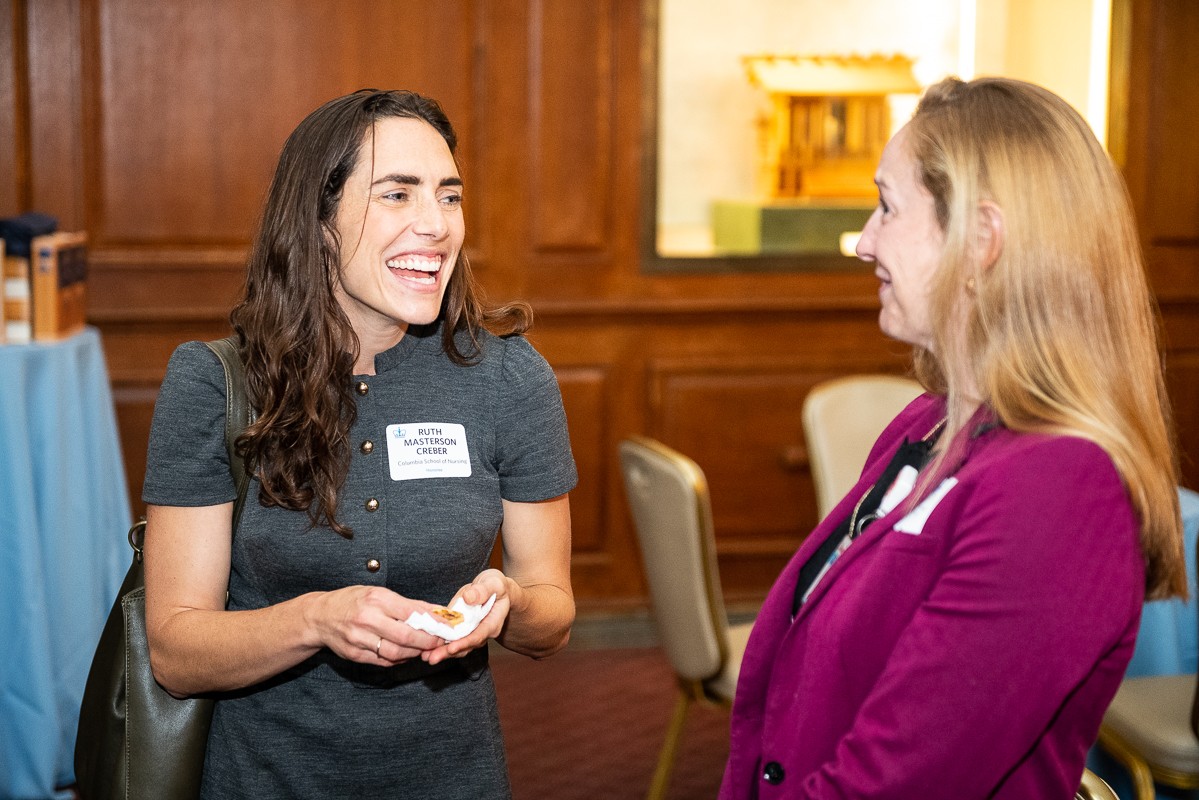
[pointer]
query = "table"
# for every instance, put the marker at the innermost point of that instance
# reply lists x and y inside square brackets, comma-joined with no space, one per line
[64,510]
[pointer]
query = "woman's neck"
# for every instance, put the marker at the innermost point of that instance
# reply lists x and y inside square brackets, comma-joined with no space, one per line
[961,412]
[964,399]
[960,408]
[373,342]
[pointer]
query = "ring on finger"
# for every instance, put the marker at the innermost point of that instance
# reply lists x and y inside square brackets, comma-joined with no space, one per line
[379,645]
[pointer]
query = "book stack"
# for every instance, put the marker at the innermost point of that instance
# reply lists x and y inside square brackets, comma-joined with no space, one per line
[58,287]
[45,279]
[18,312]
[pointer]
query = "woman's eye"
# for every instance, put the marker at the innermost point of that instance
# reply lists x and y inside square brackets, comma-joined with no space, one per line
[396,197]
[882,204]
[452,200]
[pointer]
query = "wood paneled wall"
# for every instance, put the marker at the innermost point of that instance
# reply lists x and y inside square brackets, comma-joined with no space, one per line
[155,126]
[1161,166]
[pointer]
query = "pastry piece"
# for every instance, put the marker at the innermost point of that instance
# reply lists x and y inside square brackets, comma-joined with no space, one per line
[447,616]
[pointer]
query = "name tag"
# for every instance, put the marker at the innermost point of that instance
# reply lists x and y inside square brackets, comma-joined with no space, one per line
[427,450]
[913,523]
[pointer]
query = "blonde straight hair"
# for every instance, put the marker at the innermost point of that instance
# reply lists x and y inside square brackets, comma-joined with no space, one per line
[1061,330]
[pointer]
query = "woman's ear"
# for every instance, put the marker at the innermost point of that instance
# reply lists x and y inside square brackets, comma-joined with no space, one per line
[988,242]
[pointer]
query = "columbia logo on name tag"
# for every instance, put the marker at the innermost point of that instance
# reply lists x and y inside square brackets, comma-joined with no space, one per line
[913,523]
[427,450]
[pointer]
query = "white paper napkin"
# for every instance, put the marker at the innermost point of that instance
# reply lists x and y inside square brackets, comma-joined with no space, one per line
[471,617]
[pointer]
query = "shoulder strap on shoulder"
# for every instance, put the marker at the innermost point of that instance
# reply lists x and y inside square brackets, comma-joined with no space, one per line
[238,414]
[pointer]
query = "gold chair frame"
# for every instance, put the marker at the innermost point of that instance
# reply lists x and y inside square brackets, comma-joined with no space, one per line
[1094,788]
[1142,772]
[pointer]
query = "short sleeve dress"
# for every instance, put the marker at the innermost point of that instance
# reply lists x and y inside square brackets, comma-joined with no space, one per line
[436,447]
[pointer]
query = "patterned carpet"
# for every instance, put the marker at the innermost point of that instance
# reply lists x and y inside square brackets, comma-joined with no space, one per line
[587,724]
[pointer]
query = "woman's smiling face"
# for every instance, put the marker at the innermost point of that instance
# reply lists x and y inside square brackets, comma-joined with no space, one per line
[400,227]
[904,242]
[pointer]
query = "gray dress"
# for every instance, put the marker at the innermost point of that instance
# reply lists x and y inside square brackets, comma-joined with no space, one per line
[423,500]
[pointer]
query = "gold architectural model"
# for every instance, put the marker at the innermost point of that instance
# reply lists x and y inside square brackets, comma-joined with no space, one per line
[829,120]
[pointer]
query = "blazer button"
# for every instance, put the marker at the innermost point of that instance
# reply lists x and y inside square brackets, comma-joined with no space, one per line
[367,447]
[372,505]
[373,565]
[773,773]
[361,387]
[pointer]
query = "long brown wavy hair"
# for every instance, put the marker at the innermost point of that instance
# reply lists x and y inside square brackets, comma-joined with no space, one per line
[297,344]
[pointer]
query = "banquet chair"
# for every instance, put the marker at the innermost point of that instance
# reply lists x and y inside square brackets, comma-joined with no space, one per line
[1150,729]
[672,514]
[841,419]
[1147,729]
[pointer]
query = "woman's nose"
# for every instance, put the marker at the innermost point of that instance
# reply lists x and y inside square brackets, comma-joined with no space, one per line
[865,247]
[430,219]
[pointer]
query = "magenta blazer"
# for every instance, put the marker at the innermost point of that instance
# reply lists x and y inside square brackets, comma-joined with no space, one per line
[967,652]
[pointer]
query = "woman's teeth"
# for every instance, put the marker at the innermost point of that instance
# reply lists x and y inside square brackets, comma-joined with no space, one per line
[414,263]
[414,268]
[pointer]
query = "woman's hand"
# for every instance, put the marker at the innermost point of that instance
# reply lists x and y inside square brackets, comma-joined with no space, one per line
[476,593]
[366,624]
[534,606]
[197,646]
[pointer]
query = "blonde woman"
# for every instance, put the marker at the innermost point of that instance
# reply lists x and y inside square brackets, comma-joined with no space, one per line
[958,624]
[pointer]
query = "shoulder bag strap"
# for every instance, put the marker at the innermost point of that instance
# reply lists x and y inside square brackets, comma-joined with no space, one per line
[238,414]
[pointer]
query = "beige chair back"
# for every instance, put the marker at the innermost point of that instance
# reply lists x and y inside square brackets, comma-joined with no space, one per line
[841,420]
[672,514]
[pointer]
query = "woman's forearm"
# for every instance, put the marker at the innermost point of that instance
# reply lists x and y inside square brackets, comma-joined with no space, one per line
[539,622]
[199,650]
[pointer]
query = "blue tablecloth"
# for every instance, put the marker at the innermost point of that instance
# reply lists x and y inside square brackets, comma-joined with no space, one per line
[1168,643]
[64,510]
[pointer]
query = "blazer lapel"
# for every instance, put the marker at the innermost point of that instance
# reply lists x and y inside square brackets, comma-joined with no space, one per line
[869,537]
[978,427]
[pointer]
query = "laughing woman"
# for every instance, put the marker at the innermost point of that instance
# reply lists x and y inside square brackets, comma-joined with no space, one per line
[958,624]
[364,342]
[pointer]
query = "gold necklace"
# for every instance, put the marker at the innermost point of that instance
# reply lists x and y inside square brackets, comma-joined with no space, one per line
[854,530]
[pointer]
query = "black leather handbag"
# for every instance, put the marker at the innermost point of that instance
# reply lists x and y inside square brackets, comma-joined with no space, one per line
[135,741]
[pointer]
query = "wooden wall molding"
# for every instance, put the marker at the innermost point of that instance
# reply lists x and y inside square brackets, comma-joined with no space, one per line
[571,112]
[56,111]
[586,393]
[15,187]
[1161,163]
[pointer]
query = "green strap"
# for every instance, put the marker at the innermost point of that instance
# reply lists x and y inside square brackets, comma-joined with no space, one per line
[238,414]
